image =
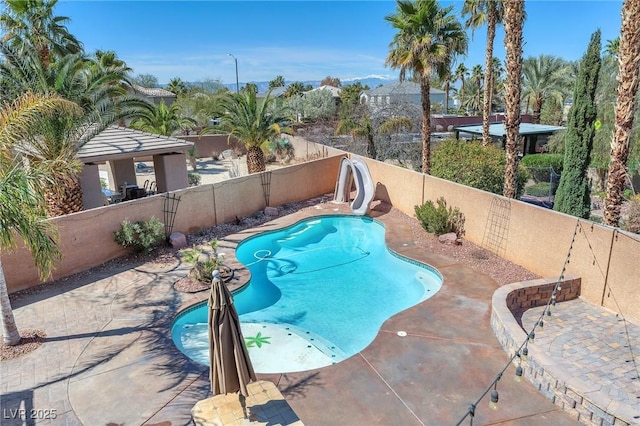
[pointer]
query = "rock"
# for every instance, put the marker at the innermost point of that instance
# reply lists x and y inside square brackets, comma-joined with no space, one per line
[227,154]
[178,240]
[271,211]
[450,238]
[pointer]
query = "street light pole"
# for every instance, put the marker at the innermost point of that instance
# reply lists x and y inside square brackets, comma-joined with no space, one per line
[236,61]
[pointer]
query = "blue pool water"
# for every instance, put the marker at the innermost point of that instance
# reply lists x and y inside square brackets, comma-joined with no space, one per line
[319,293]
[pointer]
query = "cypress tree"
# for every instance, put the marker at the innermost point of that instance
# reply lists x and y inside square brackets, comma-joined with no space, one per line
[573,195]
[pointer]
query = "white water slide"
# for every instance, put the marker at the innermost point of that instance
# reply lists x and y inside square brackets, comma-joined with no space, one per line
[355,170]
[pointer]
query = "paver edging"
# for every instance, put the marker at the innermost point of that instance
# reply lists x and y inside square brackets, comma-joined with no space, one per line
[584,401]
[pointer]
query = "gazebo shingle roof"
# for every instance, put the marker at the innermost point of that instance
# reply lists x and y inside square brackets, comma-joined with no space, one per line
[117,143]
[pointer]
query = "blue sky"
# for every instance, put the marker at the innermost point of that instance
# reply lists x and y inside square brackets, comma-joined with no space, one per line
[300,40]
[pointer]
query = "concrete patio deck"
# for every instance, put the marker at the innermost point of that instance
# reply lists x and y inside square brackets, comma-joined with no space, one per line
[109,358]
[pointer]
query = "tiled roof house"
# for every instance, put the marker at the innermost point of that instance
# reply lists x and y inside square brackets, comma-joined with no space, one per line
[405,92]
[155,94]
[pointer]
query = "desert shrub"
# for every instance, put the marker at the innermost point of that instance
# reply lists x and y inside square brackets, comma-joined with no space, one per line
[540,189]
[282,149]
[471,164]
[633,222]
[202,263]
[438,219]
[192,157]
[194,179]
[141,236]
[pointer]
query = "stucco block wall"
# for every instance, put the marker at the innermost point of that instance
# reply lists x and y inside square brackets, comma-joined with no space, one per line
[307,149]
[402,190]
[303,181]
[207,144]
[607,260]
[86,239]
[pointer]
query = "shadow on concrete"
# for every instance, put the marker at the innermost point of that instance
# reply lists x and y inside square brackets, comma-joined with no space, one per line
[17,409]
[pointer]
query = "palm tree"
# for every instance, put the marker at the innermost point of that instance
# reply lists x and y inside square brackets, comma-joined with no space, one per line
[460,74]
[22,206]
[543,77]
[491,12]
[613,47]
[162,120]
[455,44]
[497,83]
[472,97]
[80,80]
[32,22]
[277,82]
[477,76]
[177,86]
[107,60]
[513,22]
[295,88]
[427,37]
[628,80]
[361,128]
[253,121]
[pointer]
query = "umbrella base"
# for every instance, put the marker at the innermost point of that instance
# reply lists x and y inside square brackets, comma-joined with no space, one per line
[264,405]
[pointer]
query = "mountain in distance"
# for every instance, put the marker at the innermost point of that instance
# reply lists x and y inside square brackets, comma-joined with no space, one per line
[372,81]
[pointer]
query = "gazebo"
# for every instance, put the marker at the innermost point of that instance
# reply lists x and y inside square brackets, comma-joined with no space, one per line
[529,132]
[119,147]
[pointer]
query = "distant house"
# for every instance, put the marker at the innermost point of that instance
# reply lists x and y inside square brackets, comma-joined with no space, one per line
[335,91]
[406,92]
[155,94]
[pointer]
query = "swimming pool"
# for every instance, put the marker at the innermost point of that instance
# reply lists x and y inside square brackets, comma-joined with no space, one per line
[319,293]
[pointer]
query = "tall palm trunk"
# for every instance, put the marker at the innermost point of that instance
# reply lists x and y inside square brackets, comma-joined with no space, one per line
[488,73]
[255,160]
[513,21]
[537,110]
[65,200]
[628,75]
[425,88]
[445,108]
[10,334]
[462,92]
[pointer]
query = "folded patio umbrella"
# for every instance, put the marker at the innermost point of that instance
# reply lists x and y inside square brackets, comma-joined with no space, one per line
[231,368]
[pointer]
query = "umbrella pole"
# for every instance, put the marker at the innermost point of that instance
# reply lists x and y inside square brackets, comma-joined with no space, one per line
[243,404]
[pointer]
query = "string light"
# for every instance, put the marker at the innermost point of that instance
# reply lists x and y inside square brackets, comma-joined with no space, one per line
[493,400]
[519,372]
[522,352]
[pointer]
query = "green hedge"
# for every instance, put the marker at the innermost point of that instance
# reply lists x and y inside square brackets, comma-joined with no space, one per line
[472,164]
[544,161]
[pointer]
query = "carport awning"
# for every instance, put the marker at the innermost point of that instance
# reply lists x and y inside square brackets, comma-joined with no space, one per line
[497,130]
[118,143]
